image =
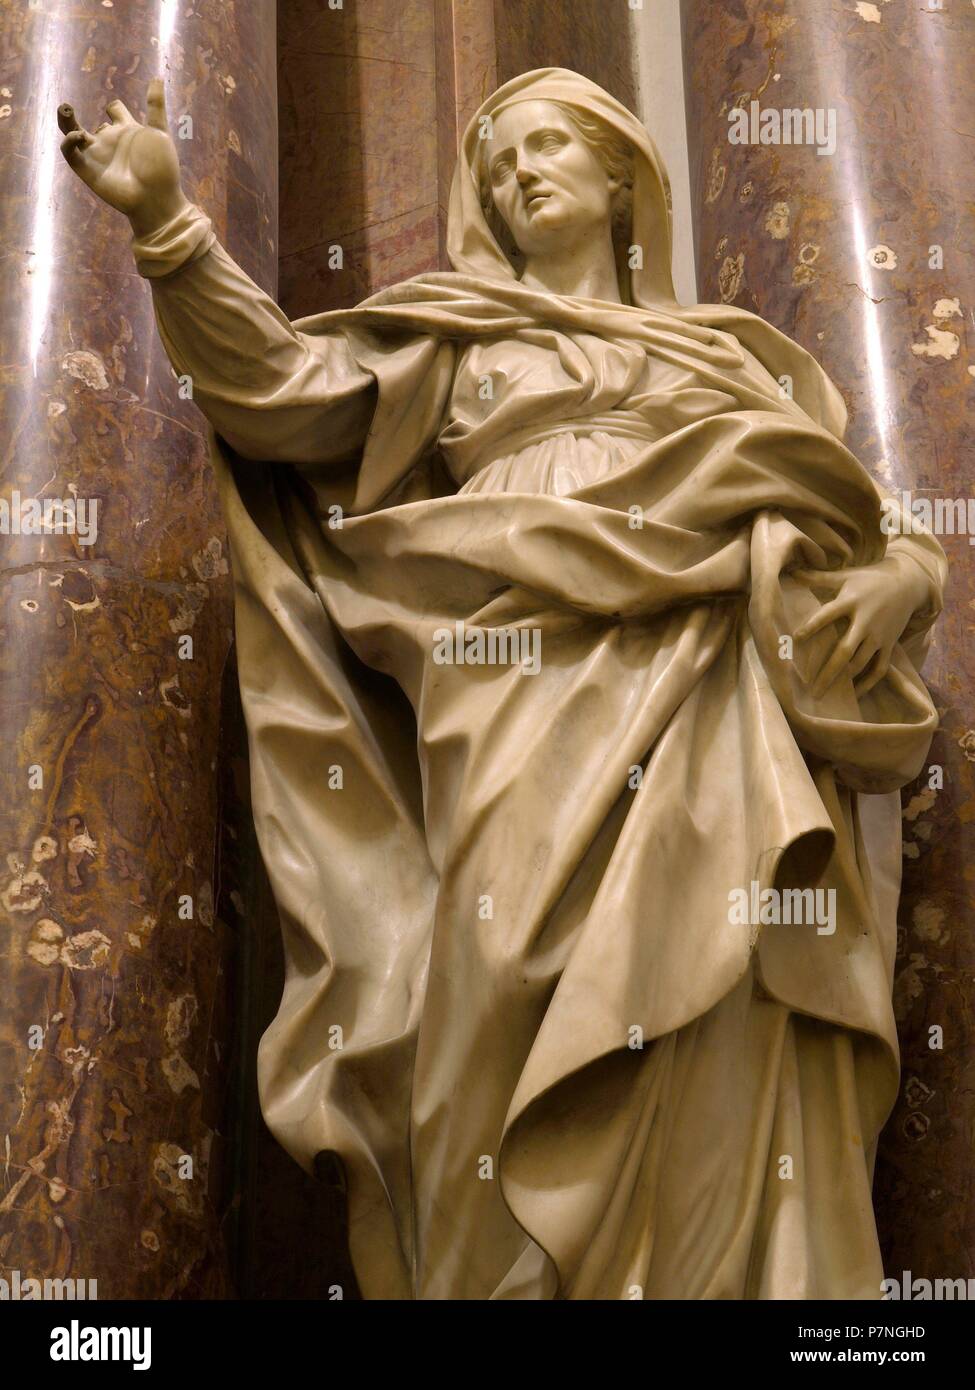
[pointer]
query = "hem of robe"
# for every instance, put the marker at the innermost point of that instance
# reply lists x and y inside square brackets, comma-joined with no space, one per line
[746,1155]
[270,578]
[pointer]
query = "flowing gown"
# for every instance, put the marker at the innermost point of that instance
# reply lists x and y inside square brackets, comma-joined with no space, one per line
[563,1070]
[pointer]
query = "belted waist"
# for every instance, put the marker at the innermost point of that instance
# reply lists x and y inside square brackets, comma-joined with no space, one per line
[620,424]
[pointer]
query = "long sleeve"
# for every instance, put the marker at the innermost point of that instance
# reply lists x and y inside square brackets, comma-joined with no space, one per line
[910,542]
[909,539]
[271,392]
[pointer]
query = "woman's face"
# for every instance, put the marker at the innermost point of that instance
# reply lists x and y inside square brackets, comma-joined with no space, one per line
[546,182]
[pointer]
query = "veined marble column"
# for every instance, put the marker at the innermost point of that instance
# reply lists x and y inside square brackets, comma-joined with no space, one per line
[860,246]
[114,1009]
[373,98]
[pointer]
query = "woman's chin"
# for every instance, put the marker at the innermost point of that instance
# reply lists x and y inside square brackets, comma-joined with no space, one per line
[545,238]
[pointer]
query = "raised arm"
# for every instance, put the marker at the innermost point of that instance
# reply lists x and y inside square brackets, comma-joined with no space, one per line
[273,393]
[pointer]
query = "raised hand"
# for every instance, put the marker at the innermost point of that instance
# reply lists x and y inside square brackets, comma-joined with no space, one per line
[131,167]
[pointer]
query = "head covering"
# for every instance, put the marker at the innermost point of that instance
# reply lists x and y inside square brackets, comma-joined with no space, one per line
[483,296]
[471,246]
[474,251]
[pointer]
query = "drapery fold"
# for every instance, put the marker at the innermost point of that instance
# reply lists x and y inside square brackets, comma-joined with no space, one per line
[517,1005]
[661,650]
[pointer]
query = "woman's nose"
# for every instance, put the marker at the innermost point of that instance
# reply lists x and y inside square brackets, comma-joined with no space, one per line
[524,171]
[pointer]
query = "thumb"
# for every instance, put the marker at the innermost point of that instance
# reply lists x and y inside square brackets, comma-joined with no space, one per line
[73,148]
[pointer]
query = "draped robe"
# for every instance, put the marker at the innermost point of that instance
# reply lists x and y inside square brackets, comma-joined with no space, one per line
[518,1007]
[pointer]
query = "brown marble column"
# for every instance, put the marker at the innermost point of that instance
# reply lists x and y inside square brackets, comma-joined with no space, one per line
[372,99]
[593,37]
[114,1011]
[867,257]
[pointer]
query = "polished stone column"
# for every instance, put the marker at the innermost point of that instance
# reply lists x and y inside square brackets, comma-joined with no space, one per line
[114,961]
[865,254]
[358,164]
[593,37]
[466,60]
[373,97]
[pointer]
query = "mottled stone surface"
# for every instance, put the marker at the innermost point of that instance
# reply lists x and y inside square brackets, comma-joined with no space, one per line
[114,1008]
[840,251]
[467,72]
[589,36]
[372,98]
[358,149]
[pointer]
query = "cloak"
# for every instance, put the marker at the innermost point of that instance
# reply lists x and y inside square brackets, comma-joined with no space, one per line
[515,991]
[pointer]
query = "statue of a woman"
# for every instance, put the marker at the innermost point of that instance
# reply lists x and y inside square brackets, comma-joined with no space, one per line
[580,673]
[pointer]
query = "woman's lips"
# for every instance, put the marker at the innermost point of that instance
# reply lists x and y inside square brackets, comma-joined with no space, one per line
[536,198]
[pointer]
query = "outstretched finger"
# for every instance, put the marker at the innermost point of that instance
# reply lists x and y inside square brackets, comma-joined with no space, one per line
[119,114]
[73,148]
[839,660]
[873,676]
[67,120]
[156,105]
[867,652]
[829,613]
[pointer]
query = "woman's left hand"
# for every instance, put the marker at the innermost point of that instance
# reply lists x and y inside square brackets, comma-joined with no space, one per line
[877,602]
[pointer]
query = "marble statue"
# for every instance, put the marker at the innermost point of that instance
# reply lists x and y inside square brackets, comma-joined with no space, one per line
[580,668]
